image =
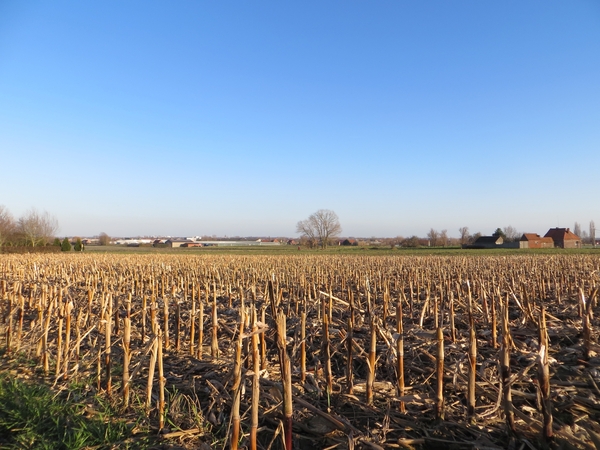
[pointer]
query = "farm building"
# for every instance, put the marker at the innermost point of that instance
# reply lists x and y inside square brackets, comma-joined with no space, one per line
[488,242]
[349,241]
[192,244]
[174,243]
[533,240]
[564,238]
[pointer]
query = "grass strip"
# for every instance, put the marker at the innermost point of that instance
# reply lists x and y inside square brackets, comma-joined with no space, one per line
[33,417]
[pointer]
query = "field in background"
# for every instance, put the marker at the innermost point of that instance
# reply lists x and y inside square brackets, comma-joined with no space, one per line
[333,250]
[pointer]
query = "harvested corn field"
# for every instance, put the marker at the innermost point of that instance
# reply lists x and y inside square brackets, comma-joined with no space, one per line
[320,351]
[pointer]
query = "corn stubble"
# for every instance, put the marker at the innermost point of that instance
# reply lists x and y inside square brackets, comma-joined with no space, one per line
[346,351]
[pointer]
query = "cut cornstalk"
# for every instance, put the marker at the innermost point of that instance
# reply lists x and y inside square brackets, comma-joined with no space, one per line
[400,353]
[349,365]
[193,323]
[161,383]
[509,414]
[544,376]
[200,328]
[166,323]
[472,370]
[237,383]
[327,352]
[107,349]
[255,385]
[286,378]
[302,347]
[151,370]
[439,401]
[68,309]
[472,359]
[372,360]
[214,344]
[126,357]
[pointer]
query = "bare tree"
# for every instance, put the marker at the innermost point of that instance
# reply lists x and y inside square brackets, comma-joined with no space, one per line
[577,229]
[464,235]
[475,236]
[320,227]
[433,237]
[511,234]
[593,232]
[104,239]
[7,225]
[444,238]
[37,228]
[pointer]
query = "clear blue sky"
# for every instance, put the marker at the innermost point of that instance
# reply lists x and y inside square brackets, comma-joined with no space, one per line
[241,118]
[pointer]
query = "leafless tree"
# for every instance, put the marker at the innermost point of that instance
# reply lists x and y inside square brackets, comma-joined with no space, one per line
[320,227]
[393,242]
[37,228]
[433,237]
[593,232]
[7,225]
[577,229]
[104,239]
[475,236]
[464,235]
[511,233]
[444,238]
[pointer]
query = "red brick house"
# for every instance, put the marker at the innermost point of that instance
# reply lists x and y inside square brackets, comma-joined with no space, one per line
[564,238]
[533,240]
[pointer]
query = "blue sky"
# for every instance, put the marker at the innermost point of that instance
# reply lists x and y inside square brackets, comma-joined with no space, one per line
[242,118]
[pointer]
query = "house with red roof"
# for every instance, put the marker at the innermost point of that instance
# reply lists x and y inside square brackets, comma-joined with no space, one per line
[534,240]
[563,238]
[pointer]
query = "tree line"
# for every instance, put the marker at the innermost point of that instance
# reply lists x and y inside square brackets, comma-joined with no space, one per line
[33,229]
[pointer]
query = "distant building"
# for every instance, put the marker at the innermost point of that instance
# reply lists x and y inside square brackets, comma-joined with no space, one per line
[487,242]
[349,241]
[175,243]
[564,238]
[533,240]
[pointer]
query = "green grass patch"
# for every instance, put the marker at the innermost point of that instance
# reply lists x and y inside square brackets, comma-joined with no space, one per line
[33,416]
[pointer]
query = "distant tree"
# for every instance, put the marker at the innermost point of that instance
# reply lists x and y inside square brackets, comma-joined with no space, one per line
[393,242]
[585,237]
[411,242]
[78,247]
[511,234]
[433,237]
[7,225]
[577,229]
[499,233]
[464,235]
[320,227]
[37,228]
[104,239]
[444,238]
[56,242]
[65,246]
[593,232]
[475,236]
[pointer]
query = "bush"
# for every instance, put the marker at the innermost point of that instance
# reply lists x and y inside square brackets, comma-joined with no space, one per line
[66,245]
[78,247]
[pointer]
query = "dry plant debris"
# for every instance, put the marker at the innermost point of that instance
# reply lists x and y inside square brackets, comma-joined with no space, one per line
[314,351]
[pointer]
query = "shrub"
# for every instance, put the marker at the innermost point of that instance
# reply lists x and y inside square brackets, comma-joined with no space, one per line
[66,245]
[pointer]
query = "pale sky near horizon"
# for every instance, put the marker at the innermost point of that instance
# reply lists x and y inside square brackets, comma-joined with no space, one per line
[242,118]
